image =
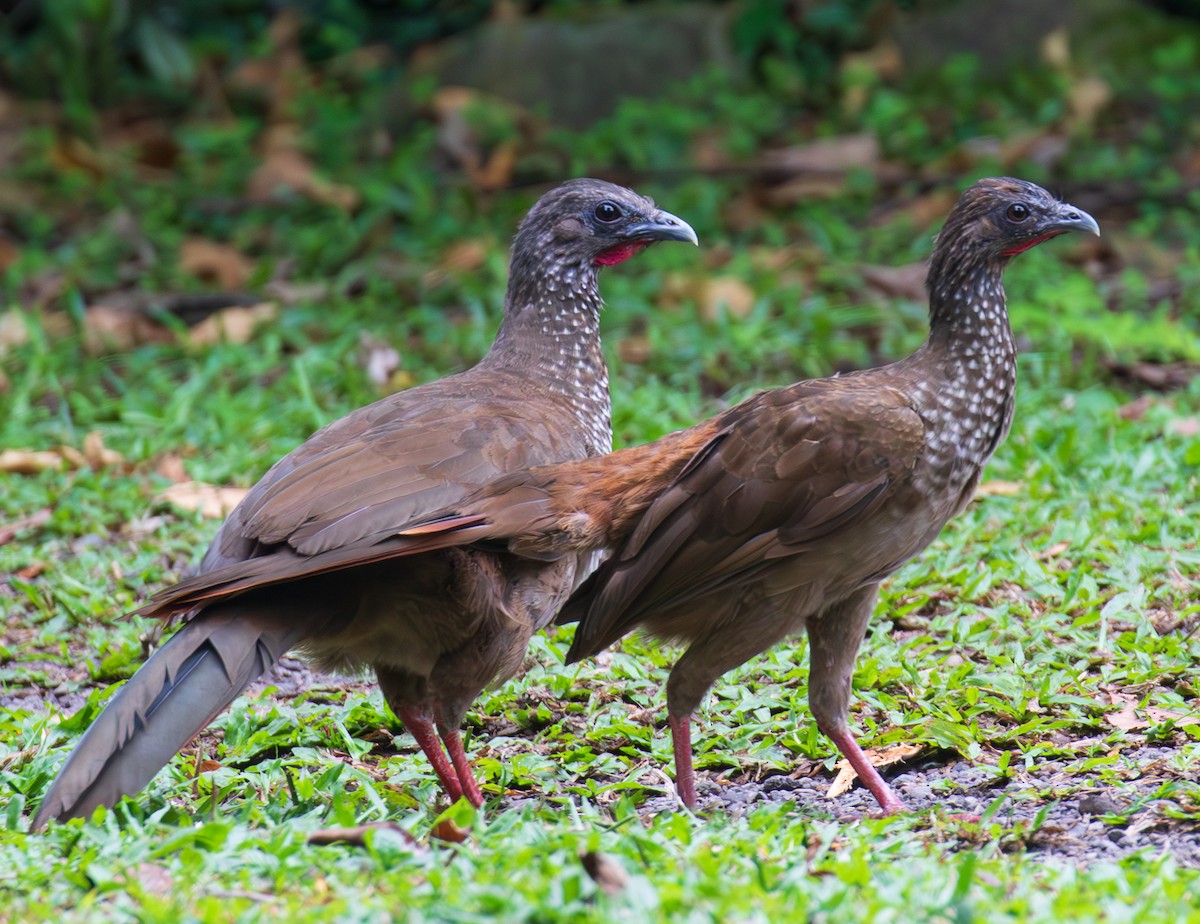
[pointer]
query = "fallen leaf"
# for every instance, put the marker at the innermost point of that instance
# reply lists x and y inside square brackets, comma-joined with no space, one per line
[9,531]
[9,253]
[817,169]
[232,325]
[219,264]
[1159,376]
[209,500]
[724,294]
[378,357]
[447,830]
[605,871]
[154,879]
[1136,409]
[998,488]
[356,836]
[97,455]
[285,168]
[634,350]
[878,758]
[28,461]
[29,572]
[907,282]
[1127,718]
[1185,426]
[1053,551]
[461,257]
[107,329]
[171,468]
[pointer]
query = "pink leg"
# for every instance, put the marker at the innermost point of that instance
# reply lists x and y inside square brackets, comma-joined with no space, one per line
[420,727]
[462,766]
[681,741]
[888,801]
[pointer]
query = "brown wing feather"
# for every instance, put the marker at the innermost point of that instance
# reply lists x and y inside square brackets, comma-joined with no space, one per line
[793,466]
[372,473]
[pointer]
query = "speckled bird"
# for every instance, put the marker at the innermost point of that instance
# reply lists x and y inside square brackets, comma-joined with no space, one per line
[299,563]
[786,511]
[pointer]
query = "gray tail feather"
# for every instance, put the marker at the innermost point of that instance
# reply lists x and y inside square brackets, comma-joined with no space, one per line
[181,688]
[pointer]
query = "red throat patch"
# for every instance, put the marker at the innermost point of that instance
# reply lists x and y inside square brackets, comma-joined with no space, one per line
[1032,242]
[620,253]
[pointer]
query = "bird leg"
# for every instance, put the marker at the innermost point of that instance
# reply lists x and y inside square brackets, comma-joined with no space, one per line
[834,636]
[462,766]
[681,742]
[697,670]
[419,725]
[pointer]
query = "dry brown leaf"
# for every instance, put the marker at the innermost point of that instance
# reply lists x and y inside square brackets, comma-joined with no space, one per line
[285,168]
[13,330]
[1053,551]
[1127,718]
[378,357]
[29,572]
[209,500]
[155,879]
[461,257]
[28,461]
[487,170]
[1136,409]
[96,455]
[356,836]
[447,830]
[232,325]
[605,871]
[107,329]
[726,294]
[634,350]
[9,531]
[171,468]
[998,488]
[878,758]
[71,155]
[817,169]
[9,253]
[222,265]
[907,282]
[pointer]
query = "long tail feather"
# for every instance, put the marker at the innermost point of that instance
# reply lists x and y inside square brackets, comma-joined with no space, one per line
[176,693]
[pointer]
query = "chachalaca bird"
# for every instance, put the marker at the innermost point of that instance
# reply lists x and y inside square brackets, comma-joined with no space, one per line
[786,511]
[436,628]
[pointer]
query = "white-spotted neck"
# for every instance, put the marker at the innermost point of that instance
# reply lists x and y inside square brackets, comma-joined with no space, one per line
[965,379]
[554,340]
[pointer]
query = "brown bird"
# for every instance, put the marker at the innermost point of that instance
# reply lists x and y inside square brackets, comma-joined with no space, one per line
[786,511]
[436,628]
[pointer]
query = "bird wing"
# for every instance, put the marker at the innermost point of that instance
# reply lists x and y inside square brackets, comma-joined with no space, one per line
[341,498]
[787,469]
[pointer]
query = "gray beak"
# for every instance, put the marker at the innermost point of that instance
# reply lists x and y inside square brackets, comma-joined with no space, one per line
[663,226]
[1072,219]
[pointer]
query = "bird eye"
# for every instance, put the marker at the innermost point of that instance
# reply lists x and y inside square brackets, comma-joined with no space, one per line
[608,211]
[1017,212]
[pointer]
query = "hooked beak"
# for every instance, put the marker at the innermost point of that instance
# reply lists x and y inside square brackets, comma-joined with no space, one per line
[1070,218]
[662,227]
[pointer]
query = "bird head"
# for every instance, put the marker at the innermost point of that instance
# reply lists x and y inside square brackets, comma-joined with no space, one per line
[591,223]
[997,218]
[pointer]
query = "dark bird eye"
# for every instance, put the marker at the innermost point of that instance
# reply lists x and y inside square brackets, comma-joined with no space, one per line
[608,211]
[1017,212]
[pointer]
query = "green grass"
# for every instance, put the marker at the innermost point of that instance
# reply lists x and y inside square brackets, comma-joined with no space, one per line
[1012,643]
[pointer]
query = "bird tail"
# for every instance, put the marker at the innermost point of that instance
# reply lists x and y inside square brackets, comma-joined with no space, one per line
[184,685]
